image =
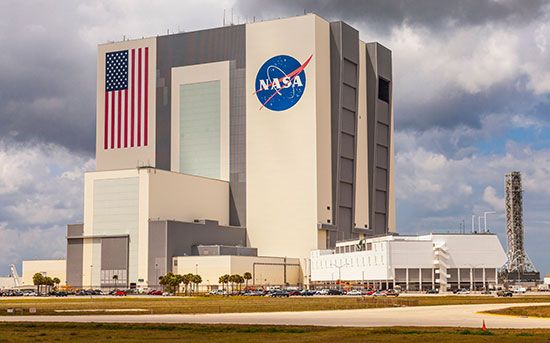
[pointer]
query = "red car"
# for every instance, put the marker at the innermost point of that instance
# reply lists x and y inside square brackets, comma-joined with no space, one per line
[155,292]
[120,293]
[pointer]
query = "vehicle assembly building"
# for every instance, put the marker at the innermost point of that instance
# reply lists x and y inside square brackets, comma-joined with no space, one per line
[264,148]
[237,137]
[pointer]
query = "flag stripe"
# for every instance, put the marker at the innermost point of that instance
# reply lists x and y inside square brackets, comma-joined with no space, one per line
[125,118]
[112,120]
[145,100]
[132,90]
[106,123]
[139,100]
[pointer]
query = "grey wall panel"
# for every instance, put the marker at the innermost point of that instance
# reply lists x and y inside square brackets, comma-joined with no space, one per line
[75,252]
[170,238]
[158,263]
[344,52]
[346,170]
[348,121]
[75,249]
[382,134]
[75,230]
[383,111]
[350,73]
[379,65]
[221,44]
[380,201]
[349,98]
[384,62]
[182,237]
[381,157]
[381,178]
[114,253]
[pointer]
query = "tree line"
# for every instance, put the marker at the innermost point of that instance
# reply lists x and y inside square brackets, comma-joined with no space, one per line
[172,282]
[45,282]
[234,280]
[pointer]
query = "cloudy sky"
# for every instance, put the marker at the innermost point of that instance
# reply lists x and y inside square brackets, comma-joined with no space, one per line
[472,102]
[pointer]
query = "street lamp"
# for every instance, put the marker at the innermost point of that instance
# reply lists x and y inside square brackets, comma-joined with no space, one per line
[485,219]
[340,272]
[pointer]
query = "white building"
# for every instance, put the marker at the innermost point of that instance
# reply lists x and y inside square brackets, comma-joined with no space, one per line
[442,261]
[51,268]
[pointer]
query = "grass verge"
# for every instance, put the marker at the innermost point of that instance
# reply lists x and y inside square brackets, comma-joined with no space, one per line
[95,332]
[528,311]
[49,306]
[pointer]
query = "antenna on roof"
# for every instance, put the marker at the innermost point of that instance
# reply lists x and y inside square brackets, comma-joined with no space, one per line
[223,21]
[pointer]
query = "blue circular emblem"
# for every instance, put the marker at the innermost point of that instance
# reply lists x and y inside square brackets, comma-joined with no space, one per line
[281,82]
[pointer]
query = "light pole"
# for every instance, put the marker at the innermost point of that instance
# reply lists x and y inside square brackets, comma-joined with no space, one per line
[340,273]
[91,276]
[485,219]
[472,274]
[196,269]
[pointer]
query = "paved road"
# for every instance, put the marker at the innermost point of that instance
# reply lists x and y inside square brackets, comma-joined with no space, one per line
[450,315]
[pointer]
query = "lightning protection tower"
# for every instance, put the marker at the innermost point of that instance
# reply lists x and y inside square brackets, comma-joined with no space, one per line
[519,267]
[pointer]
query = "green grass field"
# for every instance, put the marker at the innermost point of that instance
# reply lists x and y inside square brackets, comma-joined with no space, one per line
[46,332]
[215,304]
[532,311]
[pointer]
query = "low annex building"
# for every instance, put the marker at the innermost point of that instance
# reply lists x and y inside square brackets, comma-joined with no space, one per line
[435,261]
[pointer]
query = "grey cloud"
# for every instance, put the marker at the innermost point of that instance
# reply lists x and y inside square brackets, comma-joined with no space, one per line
[48,76]
[384,14]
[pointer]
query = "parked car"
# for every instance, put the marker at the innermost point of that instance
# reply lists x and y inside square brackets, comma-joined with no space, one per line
[120,293]
[463,291]
[335,292]
[504,294]
[354,292]
[432,291]
[294,293]
[392,293]
[308,292]
[280,294]
[154,292]
[322,292]
[487,292]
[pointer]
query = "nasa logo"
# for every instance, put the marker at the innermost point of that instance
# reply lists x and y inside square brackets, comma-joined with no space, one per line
[281,82]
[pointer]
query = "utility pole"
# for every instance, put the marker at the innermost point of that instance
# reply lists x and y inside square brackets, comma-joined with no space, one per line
[485,219]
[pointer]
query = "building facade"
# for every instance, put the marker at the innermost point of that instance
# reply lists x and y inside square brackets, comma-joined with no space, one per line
[434,261]
[236,136]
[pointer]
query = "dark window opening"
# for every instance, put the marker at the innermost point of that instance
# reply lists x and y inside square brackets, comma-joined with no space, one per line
[383,90]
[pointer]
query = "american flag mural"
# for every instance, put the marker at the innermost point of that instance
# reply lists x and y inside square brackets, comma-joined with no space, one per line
[126,99]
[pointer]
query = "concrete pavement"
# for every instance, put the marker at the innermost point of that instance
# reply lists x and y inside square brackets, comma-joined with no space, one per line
[448,315]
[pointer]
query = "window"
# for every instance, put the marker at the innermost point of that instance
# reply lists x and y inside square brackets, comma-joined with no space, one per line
[369,246]
[383,90]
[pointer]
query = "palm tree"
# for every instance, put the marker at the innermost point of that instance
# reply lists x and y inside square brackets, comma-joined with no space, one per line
[187,279]
[240,280]
[177,280]
[196,280]
[115,279]
[247,276]
[56,281]
[38,280]
[224,280]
